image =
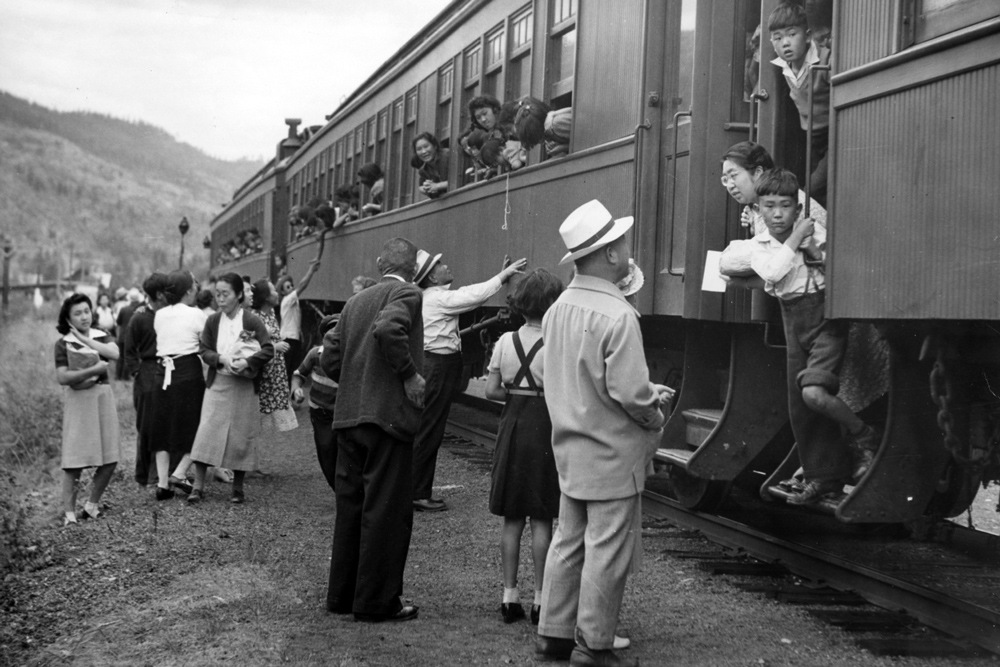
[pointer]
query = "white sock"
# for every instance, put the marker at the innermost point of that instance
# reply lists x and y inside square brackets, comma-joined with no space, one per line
[71,517]
[92,509]
[538,598]
[511,595]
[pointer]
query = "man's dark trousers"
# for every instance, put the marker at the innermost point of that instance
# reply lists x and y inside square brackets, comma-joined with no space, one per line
[371,536]
[443,373]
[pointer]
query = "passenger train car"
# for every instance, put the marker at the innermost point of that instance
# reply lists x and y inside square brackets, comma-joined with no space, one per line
[658,91]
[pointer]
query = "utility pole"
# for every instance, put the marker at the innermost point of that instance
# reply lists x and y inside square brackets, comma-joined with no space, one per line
[8,252]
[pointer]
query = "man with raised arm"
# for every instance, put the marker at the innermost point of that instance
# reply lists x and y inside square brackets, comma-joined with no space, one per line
[443,360]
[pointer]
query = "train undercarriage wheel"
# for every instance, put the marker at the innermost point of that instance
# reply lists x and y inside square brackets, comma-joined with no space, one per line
[695,493]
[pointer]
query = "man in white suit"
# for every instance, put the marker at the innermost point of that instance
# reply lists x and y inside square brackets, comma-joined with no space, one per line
[607,418]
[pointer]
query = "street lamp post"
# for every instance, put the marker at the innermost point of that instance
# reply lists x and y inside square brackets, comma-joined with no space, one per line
[183,227]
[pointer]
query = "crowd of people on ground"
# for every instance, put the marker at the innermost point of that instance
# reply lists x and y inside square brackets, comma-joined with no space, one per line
[581,417]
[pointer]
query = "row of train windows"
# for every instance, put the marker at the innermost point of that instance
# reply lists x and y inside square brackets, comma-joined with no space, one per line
[499,64]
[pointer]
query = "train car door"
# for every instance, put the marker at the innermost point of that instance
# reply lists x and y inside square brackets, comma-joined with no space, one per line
[709,75]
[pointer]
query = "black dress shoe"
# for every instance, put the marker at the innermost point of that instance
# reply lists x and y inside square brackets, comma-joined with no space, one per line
[164,494]
[197,495]
[550,649]
[511,612]
[536,612]
[407,613]
[429,505]
[181,485]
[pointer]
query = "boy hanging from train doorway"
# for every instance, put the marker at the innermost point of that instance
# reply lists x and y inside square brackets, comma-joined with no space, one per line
[788,258]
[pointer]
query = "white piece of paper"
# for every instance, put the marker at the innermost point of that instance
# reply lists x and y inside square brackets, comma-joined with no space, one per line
[712,281]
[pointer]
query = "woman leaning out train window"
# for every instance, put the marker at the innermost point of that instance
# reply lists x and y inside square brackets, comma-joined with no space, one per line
[431,163]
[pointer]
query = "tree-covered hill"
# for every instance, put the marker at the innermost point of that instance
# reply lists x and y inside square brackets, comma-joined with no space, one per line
[104,193]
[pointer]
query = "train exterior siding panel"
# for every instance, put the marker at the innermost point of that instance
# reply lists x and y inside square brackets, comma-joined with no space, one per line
[866,32]
[468,227]
[916,203]
[608,92]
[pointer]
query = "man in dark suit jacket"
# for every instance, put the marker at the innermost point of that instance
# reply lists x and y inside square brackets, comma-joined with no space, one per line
[375,353]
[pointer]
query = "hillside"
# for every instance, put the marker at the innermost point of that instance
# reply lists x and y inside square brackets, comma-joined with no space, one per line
[105,192]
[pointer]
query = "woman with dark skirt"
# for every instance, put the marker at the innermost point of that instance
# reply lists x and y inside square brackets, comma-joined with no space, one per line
[180,385]
[142,366]
[524,478]
[235,345]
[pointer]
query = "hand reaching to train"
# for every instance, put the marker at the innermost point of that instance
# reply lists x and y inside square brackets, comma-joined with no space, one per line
[414,388]
[512,268]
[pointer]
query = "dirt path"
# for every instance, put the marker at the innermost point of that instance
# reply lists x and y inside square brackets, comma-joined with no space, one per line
[167,584]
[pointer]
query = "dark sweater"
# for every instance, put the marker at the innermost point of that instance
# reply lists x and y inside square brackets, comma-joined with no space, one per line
[377,345]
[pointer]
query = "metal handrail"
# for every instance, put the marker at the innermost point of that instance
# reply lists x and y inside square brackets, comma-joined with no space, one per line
[673,196]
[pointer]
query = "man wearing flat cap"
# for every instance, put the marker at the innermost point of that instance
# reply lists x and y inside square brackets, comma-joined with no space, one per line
[443,360]
[607,418]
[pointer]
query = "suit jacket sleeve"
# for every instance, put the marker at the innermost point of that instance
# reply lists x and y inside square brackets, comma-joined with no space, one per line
[628,376]
[391,329]
[330,359]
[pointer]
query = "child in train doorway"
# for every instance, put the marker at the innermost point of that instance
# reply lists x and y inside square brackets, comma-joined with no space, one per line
[816,345]
[792,40]
[524,478]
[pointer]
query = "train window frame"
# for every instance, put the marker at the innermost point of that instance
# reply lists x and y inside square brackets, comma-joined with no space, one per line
[407,176]
[391,190]
[921,24]
[445,103]
[382,128]
[519,54]
[494,51]
[561,90]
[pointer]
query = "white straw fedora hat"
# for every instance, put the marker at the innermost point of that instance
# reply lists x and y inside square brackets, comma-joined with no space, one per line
[590,227]
[424,265]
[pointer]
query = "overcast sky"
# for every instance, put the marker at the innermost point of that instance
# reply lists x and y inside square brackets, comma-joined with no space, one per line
[221,75]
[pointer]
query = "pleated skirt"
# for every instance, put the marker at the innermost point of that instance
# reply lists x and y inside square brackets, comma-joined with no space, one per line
[90,427]
[524,479]
[229,425]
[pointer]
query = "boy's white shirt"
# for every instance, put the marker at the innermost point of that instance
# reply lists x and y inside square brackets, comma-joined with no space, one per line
[784,270]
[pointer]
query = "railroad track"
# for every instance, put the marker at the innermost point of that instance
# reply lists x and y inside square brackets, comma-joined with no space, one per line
[947,584]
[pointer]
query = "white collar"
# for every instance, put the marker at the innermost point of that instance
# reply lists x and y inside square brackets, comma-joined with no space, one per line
[812,58]
[70,338]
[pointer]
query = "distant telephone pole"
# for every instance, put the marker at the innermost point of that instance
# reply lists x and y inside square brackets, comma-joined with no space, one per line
[8,252]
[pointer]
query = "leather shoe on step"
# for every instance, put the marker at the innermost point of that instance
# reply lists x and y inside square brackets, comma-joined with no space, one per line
[552,649]
[814,491]
[429,505]
[511,612]
[584,656]
[407,613]
[181,485]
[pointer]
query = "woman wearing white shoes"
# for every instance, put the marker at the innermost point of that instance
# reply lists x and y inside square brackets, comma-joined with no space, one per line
[90,435]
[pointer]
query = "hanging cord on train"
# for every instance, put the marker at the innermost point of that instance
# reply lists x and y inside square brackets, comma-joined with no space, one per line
[506,203]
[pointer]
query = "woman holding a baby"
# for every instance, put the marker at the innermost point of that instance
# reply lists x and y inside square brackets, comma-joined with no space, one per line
[235,345]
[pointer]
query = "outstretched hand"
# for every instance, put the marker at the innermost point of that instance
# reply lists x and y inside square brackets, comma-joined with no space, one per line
[512,268]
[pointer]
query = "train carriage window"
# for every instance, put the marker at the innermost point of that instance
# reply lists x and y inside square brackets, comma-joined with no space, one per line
[933,18]
[446,89]
[407,175]
[493,65]
[370,137]
[338,178]
[395,155]
[359,156]
[470,89]
[349,167]
[562,52]
[519,67]
[383,133]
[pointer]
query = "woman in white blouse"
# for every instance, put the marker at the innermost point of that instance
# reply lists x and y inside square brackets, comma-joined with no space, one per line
[235,345]
[180,385]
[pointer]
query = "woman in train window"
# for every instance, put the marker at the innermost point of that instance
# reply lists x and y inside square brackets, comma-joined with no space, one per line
[742,166]
[235,345]
[431,162]
[535,123]
[371,177]
[346,197]
[485,114]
